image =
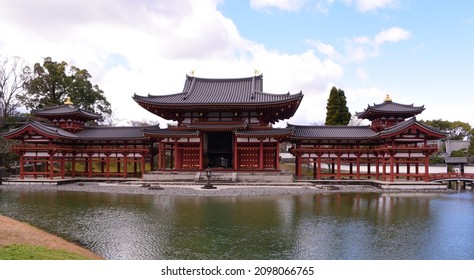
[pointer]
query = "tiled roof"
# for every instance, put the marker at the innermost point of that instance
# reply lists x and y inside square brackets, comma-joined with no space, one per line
[171,132]
[200,91]
[332,132]
[50,130]
[275,132]
[111,133]
[455,160]
[222,126]
[64,111]
[403,125]
[389,108]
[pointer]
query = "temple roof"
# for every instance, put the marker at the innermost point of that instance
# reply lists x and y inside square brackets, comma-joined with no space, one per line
[220,94]
[389,109]
[165,133]
[411,123]
[340,132]
[274,132]
[112,133]
[89,133]
[200,91]
[220,126]
[331,132]
[65,111]
[48,130]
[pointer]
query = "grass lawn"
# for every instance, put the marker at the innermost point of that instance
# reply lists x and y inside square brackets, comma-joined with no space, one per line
[21,241]
[33,252]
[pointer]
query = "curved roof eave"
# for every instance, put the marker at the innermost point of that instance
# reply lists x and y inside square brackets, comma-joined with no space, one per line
[217,105]
[42,129]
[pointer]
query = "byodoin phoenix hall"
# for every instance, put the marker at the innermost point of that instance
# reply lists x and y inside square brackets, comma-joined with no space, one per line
[225,125]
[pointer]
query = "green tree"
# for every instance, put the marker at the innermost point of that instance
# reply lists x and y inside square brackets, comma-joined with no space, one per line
[337,111]
[456,130]
[52,82]
[470,150]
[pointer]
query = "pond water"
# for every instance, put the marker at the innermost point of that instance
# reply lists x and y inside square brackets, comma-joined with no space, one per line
[333,227]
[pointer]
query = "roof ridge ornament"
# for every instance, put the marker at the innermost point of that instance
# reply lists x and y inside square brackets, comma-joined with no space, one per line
[387,98]
[68,101]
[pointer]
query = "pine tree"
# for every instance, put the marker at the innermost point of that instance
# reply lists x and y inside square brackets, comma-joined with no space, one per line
[337,111]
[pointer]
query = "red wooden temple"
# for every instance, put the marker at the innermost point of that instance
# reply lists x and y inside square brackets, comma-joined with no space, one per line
[221,123]
[394,140]
[58,144]
[224,124]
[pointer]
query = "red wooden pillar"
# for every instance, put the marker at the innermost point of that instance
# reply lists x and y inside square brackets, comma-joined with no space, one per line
[408,170]
[368,169]
[73,165]
[397,169]
[338,154]
[107,164]
[384,169]
[201,152]
[143,163]
[125,165]
[89,164]
[277,155]
[351,169]
[298,165]
[377,168]
[176,159]
[260,166]
[35,165]
[392,175]
[62,171]
[22,166]
[236,153]
[427,166]
[417,171]
[160,155]
[51,165]
[319,165]
[358,165]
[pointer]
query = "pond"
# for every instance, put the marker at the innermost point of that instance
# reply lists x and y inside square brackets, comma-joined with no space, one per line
[308,227]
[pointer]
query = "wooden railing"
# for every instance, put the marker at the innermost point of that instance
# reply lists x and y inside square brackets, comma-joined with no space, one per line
[451,175]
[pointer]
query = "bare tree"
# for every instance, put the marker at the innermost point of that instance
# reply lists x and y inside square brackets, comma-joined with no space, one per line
[144,122]
[111,120]
[13,75]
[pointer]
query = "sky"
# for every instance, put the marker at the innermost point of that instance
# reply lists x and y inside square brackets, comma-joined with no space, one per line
[419,52]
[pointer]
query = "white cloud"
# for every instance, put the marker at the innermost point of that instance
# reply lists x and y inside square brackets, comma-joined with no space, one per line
[357,97]
[322,6]
[360,48]
[364,6]
[147,47]
[286,5]
[361,74]
[393,34]
[325,49]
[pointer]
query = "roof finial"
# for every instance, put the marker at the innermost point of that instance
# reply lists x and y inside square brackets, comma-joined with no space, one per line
[256,71]
[192,73]
[68,101]
[388,98]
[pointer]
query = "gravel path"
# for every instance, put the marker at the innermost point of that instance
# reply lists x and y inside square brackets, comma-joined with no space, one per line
[187,189]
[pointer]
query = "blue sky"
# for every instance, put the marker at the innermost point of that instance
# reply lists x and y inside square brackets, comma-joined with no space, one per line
[417,51]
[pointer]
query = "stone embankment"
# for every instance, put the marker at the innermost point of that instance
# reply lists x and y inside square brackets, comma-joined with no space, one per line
[195,190]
